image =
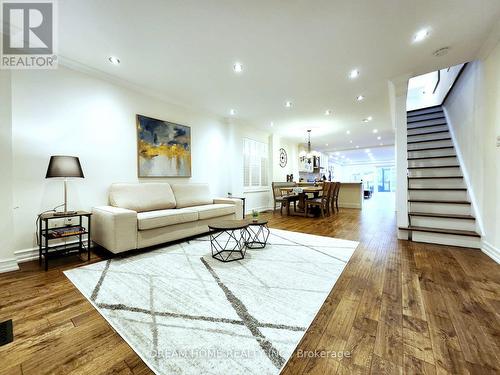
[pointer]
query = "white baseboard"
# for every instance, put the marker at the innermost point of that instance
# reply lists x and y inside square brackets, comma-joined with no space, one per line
[259,209]
[8,265]
[491,251]
[26,255]
[349,205]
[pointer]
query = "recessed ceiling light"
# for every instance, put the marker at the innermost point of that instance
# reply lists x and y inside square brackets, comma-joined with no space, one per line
[421,35]
[232,112]
[114,60]
[375,131]
[379,137]
[360,98]
[350,141]
[238,67]
[354,74]
[357,146]
[288,104]
[348,132]
[326,144]
[369,118]
[272,124]
[328,112]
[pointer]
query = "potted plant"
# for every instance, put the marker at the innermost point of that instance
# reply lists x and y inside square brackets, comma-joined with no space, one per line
[255,215]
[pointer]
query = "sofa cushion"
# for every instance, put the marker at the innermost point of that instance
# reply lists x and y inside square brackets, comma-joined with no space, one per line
[163,218]
[213,210]
[142,197]
[187,195]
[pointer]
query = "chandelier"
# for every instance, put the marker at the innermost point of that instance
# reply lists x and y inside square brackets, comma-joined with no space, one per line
[310,154]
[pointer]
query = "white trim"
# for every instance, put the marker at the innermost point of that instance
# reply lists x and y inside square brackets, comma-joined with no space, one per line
[8,265]
[259,209]
[262,189]
[29,254]
[467,180]
[491,251]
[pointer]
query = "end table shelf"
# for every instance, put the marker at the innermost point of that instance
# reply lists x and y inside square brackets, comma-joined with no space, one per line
[46,234]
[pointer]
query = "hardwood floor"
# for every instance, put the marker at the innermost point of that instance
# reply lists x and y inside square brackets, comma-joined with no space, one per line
[398,307]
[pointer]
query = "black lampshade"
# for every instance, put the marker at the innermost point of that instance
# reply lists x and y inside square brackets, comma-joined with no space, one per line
[64,166]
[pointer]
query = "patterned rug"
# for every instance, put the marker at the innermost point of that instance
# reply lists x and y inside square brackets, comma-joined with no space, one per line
[184,312]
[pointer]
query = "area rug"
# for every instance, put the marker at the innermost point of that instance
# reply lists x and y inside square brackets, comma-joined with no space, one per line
[184,312]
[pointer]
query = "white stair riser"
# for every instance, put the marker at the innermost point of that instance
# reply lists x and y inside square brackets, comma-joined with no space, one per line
[452,160]
[428,137]
[426,116]
[425,130]
[429,153]
[439,195]
[441,208]
[413,125]
[417,146]
[443,223]
[434,172]
[447,239]
[437,183]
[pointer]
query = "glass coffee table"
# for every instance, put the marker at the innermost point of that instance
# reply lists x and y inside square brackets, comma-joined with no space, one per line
[228,239]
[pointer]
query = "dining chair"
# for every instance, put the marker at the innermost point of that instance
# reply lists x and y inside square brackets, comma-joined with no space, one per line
[322,202]
[283,200]
[334,203]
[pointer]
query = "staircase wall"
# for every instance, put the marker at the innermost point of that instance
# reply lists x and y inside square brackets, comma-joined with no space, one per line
[473,114]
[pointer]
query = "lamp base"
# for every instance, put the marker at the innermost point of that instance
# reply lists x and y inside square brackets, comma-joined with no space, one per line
[64,213]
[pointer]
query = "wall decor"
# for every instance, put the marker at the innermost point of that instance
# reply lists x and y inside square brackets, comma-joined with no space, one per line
[163,148]
[283,158]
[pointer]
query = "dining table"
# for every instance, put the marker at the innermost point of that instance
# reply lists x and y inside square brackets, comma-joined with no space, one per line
[302,192]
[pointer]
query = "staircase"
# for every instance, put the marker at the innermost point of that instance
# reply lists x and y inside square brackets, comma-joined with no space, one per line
[439,207]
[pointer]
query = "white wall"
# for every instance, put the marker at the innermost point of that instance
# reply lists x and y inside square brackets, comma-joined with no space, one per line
[7,258]
[68,112]
[473,113]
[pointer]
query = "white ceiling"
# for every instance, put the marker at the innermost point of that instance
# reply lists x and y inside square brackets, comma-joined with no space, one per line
[377,154]
[296,50]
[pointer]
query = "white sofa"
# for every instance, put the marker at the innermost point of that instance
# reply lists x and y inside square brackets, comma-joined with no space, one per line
[146,214]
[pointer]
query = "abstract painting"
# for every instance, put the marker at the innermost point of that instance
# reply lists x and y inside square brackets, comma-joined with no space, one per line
[163,148]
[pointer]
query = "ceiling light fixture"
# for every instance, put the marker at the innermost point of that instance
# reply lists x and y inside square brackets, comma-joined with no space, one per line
[232,112]
[288,104]
[328,112]
[360,98]
[350,141]
[441,52]
[369,118]
[272,124]
[354,74]
[348,132]
[357,146]
[309,155]
[114,60]
[238,67]
[375,131]
[421,35]
[379,137]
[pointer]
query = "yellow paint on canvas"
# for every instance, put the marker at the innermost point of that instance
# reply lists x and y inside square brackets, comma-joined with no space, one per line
[149,151]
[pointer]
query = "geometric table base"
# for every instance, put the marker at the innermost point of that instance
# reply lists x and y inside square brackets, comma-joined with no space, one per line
[230,249]
[257,236]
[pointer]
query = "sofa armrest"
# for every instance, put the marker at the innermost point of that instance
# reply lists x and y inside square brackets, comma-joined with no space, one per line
[114,228]
[237,202]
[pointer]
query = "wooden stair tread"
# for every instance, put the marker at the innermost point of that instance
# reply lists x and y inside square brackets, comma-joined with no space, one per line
[446,216]
[433,157]
[425,126]
[436,201]
[436,166]
[431,177]
[443,231]
[439,189]
[431,148]
[427,133]
[431,140]
[427,119]
[423,109]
